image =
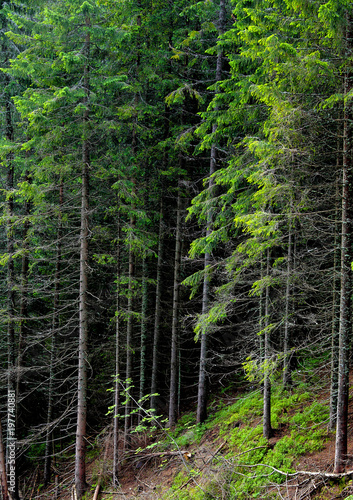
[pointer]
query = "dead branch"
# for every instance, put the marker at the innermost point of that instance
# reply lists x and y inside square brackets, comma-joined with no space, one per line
[320,474]
[183,453]
[115,493]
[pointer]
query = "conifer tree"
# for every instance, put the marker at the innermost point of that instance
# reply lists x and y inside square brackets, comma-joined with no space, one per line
[202,385]
[345,320]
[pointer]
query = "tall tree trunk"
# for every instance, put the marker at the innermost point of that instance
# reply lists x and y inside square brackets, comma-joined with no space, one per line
[267,430]
[346,271]
[22,333]
[143,344]
[11,361]
[287,376]
[261,314]
[55,323]
[80,460]
[201,413]
[23,312]
[129,328]
[335,319]
[3,475]
[117,369]
[129,346]
[157,315]
[173,388]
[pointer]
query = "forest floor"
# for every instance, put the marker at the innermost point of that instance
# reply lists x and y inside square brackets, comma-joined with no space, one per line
[227,458]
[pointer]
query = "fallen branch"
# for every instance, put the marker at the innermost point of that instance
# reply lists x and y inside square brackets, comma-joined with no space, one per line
[183,453]
[115,493]
[326,475]
[313,485]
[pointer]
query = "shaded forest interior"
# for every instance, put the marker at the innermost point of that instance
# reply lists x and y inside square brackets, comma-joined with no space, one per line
[176,214]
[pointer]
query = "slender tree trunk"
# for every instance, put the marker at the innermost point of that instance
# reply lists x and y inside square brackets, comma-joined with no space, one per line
[201,413]
[267,430]
[22,333]
[261,315]
[179,381]
[80,461]
[129,328]
[335,321]
[346,272]
[287,376]
[129,346]
[173,388]
[157,315]
[143,345]
[23,328]
[3,475]
[11,361]
[117,370]
[55,323]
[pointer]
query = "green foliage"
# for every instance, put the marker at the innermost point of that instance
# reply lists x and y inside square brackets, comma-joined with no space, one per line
[189,494]
[248,466]
[35,451]
[179,480]
[192,435]
[249,406]
[150,104]
[186,421]
[314,414]
[246,439]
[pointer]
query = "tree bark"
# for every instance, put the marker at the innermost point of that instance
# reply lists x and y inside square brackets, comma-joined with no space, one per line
[267,430]
[55,322]
[23,328]
[157,315]
[287,376]
[129,347]
[4,489]
[335,319]
[346,272]
[143,344]
[117,370]
[80,460]
[261,315]
[173,387]
[11,361]
[129,327]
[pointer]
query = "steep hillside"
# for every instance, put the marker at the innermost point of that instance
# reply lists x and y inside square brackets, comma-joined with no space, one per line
[227,457]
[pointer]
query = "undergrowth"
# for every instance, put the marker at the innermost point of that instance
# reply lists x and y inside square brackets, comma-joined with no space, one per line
[247,468]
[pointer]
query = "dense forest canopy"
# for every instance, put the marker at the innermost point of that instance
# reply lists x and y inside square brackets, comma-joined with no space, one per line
[176,211]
